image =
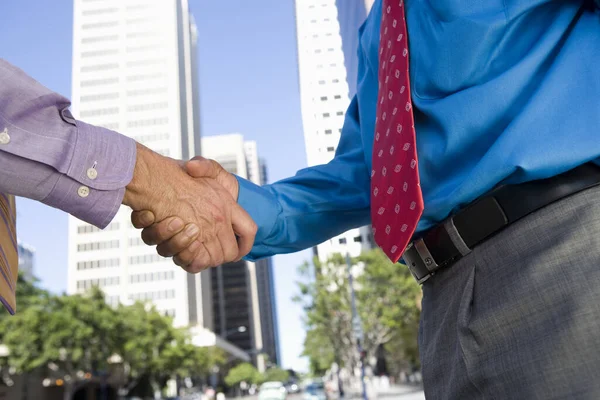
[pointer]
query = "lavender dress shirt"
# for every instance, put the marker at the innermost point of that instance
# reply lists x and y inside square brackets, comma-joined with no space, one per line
[47,155]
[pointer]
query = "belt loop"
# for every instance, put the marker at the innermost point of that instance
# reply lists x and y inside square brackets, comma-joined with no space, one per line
[457,240]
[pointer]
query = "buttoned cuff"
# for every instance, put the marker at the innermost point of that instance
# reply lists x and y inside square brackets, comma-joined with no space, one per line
[96,207]
[102,159]
[262,207]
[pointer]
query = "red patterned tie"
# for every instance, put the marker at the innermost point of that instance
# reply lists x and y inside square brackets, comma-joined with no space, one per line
[396,199]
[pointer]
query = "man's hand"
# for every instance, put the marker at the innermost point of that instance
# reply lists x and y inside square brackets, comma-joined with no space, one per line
[199,218]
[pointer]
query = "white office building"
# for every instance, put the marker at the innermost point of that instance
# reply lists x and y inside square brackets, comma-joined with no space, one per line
[327,33]
[134,71]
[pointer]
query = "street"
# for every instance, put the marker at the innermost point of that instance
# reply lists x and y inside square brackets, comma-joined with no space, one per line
[397,392]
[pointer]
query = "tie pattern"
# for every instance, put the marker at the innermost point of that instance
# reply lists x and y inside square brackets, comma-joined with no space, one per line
[396,199]
[9,259]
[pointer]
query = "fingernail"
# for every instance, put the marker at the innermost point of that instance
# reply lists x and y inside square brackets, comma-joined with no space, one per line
[194,246]
[147,218]
[176,224]
[191,230]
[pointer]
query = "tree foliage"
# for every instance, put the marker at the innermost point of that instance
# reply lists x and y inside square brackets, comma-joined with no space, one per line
[275,374]
[386,297]
[83,334]
[244,372]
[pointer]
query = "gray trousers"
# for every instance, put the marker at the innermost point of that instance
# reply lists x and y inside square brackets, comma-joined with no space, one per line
[519,317]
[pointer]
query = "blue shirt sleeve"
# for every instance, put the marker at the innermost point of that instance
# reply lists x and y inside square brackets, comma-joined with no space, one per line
[316,204]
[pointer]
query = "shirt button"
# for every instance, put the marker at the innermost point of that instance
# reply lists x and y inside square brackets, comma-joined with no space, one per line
[4,137]
[92,173]
[83,191]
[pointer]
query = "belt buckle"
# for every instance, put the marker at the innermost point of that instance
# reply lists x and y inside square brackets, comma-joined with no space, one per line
[419,261]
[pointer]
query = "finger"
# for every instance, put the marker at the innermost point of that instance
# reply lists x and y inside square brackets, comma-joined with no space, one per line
[142,219]
[200,167]
[188,255]
[162,231]
[215,251]
[245,228]
[229,245]
[200,261]
[179,242]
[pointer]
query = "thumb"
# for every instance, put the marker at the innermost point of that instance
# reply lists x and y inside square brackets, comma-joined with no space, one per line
[200,167]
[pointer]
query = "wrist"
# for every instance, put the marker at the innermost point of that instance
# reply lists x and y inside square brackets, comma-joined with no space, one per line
[136,191]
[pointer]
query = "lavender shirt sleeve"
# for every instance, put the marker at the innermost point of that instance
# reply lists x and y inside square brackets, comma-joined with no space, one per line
[46,155]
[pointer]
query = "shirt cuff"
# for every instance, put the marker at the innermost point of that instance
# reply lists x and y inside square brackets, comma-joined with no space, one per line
[262,207]
[103,159]
[96,207]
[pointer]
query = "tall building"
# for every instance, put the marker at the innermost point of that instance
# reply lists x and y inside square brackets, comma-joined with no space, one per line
[134,72]
[243,292]
[26,260]
[327,33]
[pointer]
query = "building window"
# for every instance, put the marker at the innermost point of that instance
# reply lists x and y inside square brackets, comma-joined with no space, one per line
[148,122]
[152,277]
[95,39]
[98,282]
[337,97]
[146,259]
[339,113]
[159,295]
[112,262]
[99,67]
[317,51]
[342,240]
[99,97]
[330,49]
[330,149]
[325,115]
[328,131]
[321,82]
[99,111]
[92,229]
[335,81]
[323,98]
[107,24]
[100,11]
[146,107]
[146,91]
[109,244]
[99,53]
[333,65]
[358,239]
[99,82]
[340,130]
[137,78]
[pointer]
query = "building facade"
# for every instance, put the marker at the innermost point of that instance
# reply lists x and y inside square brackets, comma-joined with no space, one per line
[327,35]
[134,72]
[26,260]
[244,292]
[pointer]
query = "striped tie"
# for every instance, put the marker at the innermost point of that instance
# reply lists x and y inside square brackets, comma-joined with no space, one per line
[9,259]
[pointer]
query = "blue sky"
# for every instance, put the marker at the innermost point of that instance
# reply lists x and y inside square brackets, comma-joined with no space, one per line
[249,84]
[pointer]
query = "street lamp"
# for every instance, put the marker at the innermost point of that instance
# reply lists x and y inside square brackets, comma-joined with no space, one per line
[239,329]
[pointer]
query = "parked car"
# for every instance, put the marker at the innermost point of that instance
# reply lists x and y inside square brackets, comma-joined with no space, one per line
[315,391]
[272,391]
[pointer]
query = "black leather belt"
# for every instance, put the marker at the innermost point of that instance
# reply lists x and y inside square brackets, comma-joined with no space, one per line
[446,243]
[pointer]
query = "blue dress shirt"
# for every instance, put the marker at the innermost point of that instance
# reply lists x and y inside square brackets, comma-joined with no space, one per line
[504,91]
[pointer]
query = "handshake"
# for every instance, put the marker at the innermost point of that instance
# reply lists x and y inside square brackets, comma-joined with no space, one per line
[189,210]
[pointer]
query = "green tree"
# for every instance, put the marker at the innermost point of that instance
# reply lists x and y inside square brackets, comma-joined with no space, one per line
[71,333]
[388,305]
[386,302]
[244,372]
[275,374]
